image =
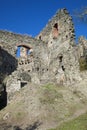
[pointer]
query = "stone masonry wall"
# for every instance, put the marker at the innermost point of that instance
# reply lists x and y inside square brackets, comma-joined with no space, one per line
[65,27]
[54,57]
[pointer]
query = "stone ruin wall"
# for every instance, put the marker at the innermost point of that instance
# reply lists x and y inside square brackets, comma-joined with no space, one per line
[33,67]
[61,43]
[82,46]
[82,54]
[54,58]
[63,24]
[57,35]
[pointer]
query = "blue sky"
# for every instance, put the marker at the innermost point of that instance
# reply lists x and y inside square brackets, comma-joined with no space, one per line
[31,16]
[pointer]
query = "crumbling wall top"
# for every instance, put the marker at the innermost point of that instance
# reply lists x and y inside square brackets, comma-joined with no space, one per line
[65,27]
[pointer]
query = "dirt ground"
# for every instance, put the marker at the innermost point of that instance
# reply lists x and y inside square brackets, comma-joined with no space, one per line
[43,107]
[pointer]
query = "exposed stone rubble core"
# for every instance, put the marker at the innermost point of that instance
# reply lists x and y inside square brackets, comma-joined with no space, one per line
[54,56]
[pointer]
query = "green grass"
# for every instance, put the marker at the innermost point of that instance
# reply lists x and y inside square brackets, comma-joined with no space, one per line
[50,94]
[49,86]
[79,123]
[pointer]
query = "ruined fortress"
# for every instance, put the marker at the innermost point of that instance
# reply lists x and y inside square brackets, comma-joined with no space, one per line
[52,56]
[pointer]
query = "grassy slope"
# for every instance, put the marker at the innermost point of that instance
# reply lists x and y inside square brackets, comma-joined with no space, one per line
[79,123]
[49,104]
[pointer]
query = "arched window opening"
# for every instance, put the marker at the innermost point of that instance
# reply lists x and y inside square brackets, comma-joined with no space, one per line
[55,31]
[40,37]
[56,26]
[23,51]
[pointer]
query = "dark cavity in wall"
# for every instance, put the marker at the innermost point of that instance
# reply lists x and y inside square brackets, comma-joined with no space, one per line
[61,62]
[60,58]
[55,31]
[3,96]
[23,84]
[37,68]
[56,26]
[8,64]
[63,68]
[40,37]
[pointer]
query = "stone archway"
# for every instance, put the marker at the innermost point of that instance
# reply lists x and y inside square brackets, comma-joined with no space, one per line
[23,50]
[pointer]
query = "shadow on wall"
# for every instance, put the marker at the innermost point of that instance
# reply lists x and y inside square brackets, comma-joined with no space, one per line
[8,64]
[3,98]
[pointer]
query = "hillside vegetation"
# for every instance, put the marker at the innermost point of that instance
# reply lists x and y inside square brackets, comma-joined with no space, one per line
[44,107]
[79,123]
